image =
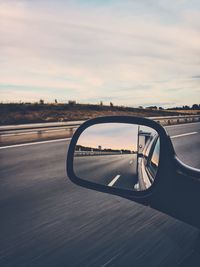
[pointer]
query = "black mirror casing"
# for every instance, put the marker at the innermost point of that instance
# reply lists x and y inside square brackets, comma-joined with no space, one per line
[166,149]
[176,189]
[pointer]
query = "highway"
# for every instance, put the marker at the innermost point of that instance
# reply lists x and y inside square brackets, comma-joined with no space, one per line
[118,170]
[48,221]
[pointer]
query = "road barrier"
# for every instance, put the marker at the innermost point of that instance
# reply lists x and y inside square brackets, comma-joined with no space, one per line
[172,120]
[15,134]
[95,153]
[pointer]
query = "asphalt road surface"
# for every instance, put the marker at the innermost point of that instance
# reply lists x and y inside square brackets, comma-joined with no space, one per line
[48,221]
[186,140]
[115,170]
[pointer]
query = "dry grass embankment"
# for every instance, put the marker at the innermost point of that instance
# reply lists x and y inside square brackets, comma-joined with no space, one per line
[35,113]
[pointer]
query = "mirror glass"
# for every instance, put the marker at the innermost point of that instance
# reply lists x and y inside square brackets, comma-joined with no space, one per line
[118,154]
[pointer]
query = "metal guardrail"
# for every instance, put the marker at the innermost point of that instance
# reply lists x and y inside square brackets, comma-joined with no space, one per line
[94,153]
[41,131]
[166,120]
[31,126]
[39,128]
[170,120]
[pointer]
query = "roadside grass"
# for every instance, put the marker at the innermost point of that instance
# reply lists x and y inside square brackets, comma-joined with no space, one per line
[35,113]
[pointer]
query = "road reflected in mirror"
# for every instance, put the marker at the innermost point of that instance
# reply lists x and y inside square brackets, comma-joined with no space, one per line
[119,155]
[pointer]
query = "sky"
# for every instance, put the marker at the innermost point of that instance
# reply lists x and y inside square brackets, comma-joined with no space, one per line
[112,135]
[130,52]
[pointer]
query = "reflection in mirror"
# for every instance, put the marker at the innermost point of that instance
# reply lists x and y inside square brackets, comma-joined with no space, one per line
[118,154]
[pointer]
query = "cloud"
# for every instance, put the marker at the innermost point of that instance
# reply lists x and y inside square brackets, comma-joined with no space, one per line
[121,51]
[196,77]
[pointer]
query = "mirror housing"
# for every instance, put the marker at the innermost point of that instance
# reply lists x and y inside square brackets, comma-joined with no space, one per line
[176,189]
[166,154]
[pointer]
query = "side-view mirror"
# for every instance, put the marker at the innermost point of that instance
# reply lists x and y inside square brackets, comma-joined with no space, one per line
[133,158]
[118,155]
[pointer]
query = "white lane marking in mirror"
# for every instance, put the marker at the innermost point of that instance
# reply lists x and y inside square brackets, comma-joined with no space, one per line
[114,180]
[36,143]
[131,162]
[136,187]
[185,134]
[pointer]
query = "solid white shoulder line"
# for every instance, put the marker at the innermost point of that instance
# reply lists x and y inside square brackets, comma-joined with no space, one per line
[185,134]
[36,143]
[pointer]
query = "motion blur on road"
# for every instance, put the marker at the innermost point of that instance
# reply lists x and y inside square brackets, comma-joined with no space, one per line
[48,221]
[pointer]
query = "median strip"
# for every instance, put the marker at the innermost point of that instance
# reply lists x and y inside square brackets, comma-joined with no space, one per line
[185,134]
[114,180]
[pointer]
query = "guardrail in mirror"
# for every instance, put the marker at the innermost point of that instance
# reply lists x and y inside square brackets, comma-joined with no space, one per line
[118,154]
